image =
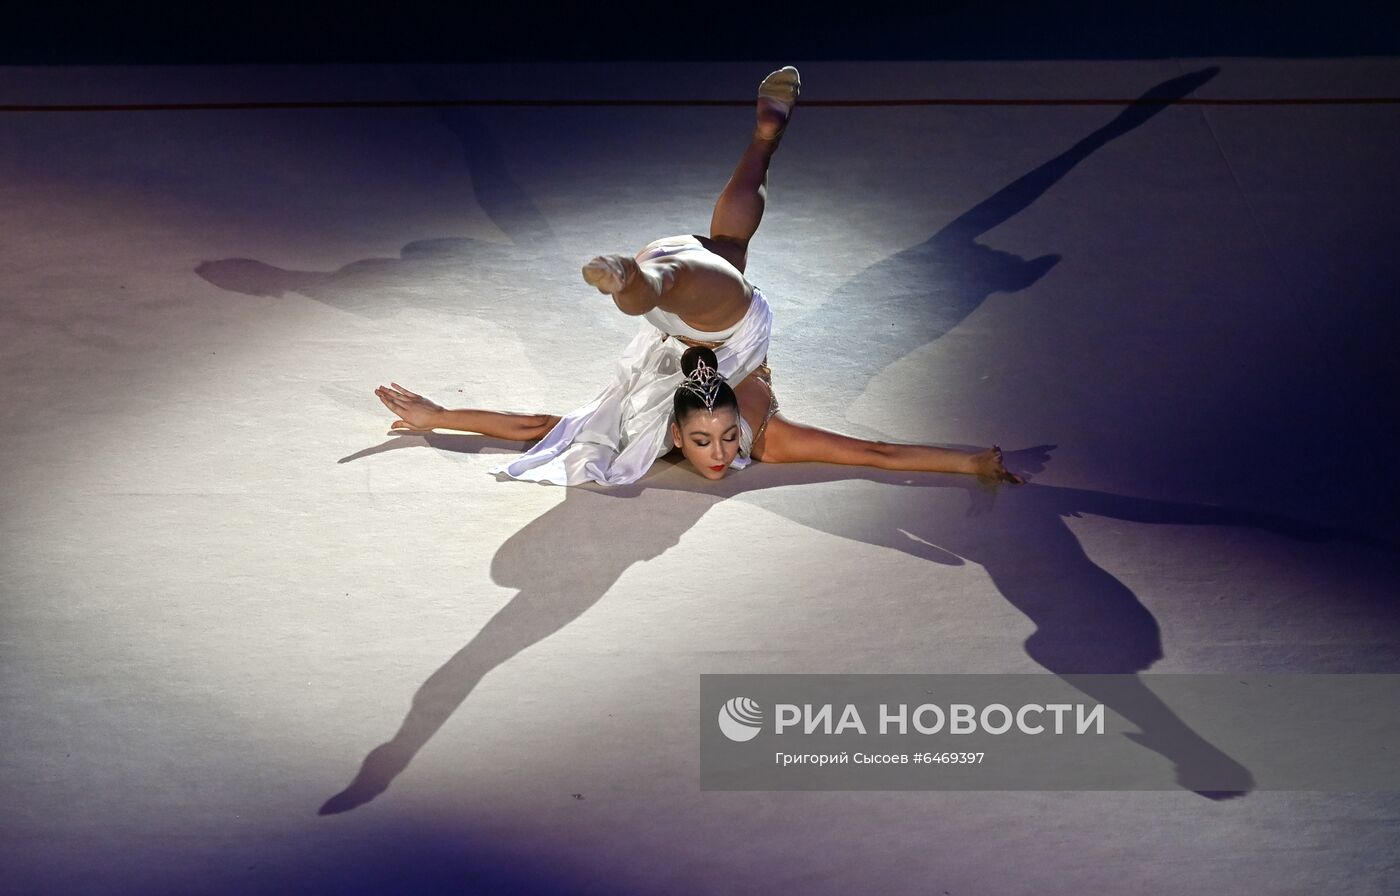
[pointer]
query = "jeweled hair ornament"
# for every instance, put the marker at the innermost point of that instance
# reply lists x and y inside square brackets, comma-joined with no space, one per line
[704,382]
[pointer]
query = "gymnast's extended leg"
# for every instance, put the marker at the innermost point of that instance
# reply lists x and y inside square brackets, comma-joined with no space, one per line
[740,206]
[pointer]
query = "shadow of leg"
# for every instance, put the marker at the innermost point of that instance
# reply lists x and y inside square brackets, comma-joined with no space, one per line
[1200,766]
[1092,630]
[562,563]
[529,618]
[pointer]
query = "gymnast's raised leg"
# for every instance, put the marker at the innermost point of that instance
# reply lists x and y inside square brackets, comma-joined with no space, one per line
[739,209]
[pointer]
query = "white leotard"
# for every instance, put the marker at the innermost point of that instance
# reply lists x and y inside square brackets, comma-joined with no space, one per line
[615,438]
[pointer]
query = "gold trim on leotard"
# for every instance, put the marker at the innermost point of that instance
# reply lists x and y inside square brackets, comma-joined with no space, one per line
[764,374]
[693,343]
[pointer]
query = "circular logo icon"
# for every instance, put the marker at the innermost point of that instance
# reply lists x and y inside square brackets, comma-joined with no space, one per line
[740,719]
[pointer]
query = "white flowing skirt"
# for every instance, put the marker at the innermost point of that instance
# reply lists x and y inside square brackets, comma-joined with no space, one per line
[615,438]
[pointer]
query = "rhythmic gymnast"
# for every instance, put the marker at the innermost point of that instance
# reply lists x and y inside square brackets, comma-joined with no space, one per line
[695,378]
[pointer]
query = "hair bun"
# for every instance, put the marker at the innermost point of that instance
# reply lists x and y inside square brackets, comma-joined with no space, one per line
[694,355]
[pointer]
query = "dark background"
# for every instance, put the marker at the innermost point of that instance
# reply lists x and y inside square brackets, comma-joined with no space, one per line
[326,32]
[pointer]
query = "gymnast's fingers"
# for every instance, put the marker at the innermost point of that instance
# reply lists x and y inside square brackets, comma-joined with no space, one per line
[405,391]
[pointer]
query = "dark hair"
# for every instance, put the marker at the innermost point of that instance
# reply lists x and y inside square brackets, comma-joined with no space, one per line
[689,395]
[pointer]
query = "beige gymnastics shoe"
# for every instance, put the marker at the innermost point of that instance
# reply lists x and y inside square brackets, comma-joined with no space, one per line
[776,96]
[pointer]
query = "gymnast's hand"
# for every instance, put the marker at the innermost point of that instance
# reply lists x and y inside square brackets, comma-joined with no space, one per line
[416,413]
[610,274]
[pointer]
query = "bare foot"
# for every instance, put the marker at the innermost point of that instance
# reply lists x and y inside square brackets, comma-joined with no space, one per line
[776,96]
[988,465]
[609,273]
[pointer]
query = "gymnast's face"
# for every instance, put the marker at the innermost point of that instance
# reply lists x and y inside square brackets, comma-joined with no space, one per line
[710,441]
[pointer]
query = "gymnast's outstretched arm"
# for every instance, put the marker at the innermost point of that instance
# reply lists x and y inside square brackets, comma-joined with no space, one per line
[419,414]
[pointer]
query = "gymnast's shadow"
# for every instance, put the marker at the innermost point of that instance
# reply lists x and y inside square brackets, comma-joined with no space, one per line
[454,276]
[1086,621]
[911,298]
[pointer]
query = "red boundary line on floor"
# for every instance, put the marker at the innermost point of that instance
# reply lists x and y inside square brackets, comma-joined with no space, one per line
[831,104]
